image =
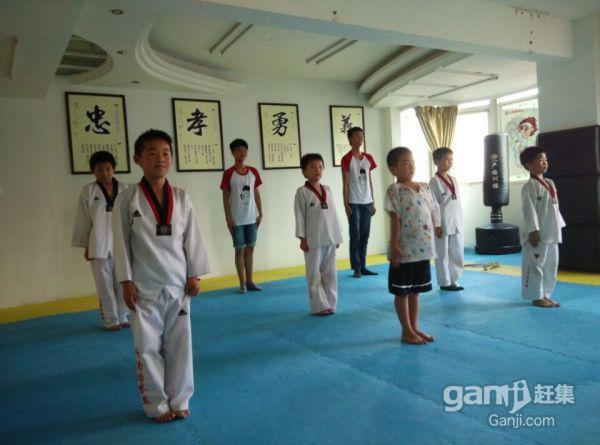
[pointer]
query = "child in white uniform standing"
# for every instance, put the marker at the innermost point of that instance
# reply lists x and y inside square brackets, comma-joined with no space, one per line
[320,232]
[449,243]
[159,258]
[543,224]
[93,231]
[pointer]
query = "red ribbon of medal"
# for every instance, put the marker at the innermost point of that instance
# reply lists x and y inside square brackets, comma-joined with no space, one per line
[449,184]
[547,186]
[322,197]
[162,215]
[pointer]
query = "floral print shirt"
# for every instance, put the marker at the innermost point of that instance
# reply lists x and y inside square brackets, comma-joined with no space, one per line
[418,213]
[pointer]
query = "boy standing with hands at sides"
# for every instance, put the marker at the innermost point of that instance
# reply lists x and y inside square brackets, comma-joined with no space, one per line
[358,200]
[159,258]
[543,224]
[93,231]
[243,211]
[414,214]
[449,238]
[320,233]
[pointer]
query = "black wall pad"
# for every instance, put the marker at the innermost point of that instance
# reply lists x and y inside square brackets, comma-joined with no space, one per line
[579,199]
[580,248]
[572,152]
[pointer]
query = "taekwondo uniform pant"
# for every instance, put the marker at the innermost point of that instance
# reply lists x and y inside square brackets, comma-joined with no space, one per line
[113,309]
[321,275]
[540,265]
[449,261]
[163,347]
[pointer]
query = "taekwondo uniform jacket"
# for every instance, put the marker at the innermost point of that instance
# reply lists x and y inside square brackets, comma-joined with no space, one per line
[155,262]
[319,226]
[93,222]
[450,209]
[541,212]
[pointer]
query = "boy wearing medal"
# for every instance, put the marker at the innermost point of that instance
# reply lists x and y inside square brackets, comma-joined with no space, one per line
[449,243]
[159,257]
[543,224]
[320,232]
[93,232]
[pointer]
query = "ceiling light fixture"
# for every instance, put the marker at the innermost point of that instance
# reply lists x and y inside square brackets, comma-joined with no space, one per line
[117,11]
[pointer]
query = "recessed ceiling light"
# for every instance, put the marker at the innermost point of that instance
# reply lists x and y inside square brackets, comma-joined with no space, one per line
[135,81]
[117,11]
[122,52]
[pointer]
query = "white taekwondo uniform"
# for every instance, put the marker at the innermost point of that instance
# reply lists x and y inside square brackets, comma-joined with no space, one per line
[93,230]
[540,264]
[317,221]
[159,266]
[450,247]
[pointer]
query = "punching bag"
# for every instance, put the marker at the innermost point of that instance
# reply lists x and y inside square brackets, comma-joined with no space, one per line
[496,237]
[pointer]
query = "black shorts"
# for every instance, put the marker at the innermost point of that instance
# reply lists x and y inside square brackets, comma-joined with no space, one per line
[409,278]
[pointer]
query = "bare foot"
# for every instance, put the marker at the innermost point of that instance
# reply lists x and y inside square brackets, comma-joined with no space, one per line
[554,303]
[112,328]
[428,338]
[166,417]
[181,413]
[326,312]
[413,339]
[542,303]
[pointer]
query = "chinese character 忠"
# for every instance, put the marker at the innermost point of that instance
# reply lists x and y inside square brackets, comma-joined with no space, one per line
[96,117]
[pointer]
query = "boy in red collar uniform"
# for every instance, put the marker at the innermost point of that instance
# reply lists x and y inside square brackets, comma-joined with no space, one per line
[543,224]
[449,243]
[320,232]
[159,258]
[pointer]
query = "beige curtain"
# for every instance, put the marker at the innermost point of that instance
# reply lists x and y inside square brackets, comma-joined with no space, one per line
[438,125]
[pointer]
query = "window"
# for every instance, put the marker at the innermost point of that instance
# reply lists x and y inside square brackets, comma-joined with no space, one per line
[470,130]
[411,136]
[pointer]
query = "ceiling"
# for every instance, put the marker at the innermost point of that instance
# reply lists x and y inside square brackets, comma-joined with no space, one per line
[568,9]
[371,66]
[209,46]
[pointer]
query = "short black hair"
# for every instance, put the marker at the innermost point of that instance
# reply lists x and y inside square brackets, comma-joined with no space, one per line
[394,154]
[439,153]
[309,157]
[354,130]
[150,135]
[101,157]
[529,154]
[238,143]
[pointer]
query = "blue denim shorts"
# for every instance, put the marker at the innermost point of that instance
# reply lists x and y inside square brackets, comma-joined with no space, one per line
[244,236]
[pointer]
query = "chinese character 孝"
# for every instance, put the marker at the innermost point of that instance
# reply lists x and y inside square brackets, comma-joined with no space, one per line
[197,122]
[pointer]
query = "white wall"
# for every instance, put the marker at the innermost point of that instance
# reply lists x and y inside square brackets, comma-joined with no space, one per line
[38,194]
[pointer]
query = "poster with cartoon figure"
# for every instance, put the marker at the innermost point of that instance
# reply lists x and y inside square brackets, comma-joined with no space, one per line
[521,122]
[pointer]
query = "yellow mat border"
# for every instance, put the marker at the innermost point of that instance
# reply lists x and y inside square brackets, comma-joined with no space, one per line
[90,302]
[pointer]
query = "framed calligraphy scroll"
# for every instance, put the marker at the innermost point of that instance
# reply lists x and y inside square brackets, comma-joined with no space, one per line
[342,118]
[279,135]
[198,135]
[96,122]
